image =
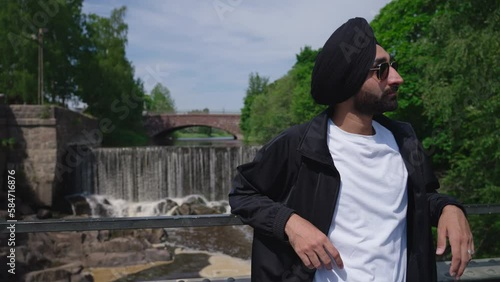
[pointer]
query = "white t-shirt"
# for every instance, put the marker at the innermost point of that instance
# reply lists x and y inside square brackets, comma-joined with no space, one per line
[369,223]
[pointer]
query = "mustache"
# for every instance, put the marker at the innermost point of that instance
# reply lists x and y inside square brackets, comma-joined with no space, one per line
[393,89]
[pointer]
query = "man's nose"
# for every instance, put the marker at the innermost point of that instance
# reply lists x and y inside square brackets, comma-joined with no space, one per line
[394,77]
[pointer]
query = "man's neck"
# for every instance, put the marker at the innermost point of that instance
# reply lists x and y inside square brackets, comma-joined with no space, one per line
[353,122]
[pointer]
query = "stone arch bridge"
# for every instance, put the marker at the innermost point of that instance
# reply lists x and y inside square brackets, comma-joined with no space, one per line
[161,124]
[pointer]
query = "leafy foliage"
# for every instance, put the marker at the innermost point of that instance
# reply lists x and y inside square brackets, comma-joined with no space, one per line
[271,111]
[285,102]
[160,100]
[257,85]
[107,83]
[303,106]
[56,27]
[446,50]
[7,143]
[83,61]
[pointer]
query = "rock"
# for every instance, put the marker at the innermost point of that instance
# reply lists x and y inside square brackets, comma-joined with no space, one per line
[103,259]
[184,209]
[153,236]
[36,260]
[115,259]
[152,255]
[194,209]
[156,236]
[104,209]
[123,244]
[223,207]
[43,214]
[90,249]
[103,235]
[197,209]
[60,247]
[166,205]
[4,214]
[30,217]
[21,252]
[79,204]
[68,272]
[41,243]
[24,209]
[195,199]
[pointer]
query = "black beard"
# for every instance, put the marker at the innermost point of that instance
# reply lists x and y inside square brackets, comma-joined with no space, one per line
[370,104]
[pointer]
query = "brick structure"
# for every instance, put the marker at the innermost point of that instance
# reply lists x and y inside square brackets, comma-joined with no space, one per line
[159,124]
[43,137]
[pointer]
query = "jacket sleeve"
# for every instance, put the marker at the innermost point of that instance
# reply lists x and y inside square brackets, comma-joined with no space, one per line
[260,186]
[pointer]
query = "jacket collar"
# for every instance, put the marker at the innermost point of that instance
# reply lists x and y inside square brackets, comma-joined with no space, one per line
[314,145]
[402,131]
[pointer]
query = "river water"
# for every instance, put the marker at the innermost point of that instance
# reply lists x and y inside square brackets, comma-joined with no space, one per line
[139,178]
[150,173]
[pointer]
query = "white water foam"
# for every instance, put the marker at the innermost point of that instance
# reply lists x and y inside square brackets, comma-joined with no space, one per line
[108,206]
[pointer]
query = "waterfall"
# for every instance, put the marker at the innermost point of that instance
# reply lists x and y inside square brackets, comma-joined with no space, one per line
[151,173]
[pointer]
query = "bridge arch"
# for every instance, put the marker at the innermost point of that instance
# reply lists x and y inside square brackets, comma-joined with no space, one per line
[159,124]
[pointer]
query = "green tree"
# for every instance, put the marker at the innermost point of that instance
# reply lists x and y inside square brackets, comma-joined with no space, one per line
[257,85]
[106,79]
[60,23]
[17,55]
[271,111]
[83,60]
[160,100]
[284,102]
[460,95]
[61,49]
[446,49]
[303,105]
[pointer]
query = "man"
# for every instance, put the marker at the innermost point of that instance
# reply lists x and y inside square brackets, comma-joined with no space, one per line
[349,195]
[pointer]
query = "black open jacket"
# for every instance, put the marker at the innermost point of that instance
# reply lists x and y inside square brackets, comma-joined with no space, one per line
[294,173]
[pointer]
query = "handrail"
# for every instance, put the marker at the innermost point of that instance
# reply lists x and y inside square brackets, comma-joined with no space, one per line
[87,224]
[483,209]
[113,223]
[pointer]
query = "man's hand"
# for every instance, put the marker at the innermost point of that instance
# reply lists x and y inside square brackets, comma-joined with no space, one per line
[311,245]
[454,225]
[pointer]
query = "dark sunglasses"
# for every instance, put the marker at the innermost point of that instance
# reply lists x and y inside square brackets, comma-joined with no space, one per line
[383,69]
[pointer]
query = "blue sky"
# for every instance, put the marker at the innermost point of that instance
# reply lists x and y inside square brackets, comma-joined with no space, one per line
[205,50]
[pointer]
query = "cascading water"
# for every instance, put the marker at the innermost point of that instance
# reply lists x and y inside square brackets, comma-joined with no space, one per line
[150,181]
[151,173]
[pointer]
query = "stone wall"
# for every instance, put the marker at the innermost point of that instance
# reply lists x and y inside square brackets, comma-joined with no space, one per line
[42,135]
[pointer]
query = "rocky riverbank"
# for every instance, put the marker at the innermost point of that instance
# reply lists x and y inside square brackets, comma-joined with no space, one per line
[117,254]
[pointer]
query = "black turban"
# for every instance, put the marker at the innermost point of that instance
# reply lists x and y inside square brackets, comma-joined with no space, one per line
[343,64]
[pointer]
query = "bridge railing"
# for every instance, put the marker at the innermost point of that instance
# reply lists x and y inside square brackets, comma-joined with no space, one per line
[478,270]
[190,112]
[89,224]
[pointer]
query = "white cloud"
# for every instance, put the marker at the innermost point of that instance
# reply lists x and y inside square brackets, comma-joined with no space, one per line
[208,48]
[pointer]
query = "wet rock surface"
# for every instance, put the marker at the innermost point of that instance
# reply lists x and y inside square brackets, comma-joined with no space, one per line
[59,256]
[72,271]
[72,256]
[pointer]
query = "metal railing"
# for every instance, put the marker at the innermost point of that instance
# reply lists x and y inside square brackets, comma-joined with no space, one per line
[88,224]
[478,269]
[109,223]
